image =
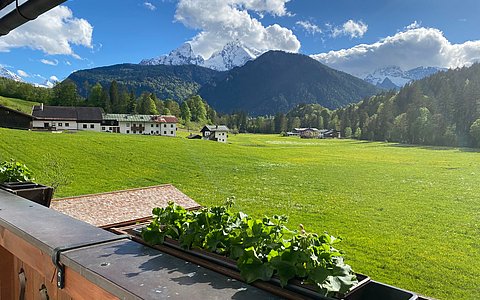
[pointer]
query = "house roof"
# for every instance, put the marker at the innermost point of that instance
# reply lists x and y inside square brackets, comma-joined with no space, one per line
[141,118]
[16,111]
[305,129]
[165,119]
[121,206]
[67,113]
[214,128]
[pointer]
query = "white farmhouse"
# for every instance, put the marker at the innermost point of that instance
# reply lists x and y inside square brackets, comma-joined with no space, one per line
[217,133]
[66,118]
[140,124]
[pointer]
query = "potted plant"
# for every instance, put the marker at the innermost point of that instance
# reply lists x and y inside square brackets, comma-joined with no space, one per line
[304,263]
[16,178]
[259,249]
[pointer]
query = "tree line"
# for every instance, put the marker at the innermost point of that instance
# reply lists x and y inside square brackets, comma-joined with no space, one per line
[443,109]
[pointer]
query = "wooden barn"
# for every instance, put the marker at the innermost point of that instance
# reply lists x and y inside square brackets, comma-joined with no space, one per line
[11,118]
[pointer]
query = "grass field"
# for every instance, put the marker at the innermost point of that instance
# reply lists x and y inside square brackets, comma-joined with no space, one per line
[409,216]
[18,104]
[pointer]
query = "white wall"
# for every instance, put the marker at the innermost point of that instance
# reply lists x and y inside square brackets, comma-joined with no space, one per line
[59,124]
[221,136]
[152,128]
[90,126]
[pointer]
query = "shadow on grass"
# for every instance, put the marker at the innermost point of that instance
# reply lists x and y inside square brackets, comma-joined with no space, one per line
[426,147]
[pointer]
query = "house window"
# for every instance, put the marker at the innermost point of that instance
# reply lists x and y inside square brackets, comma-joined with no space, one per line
[171,125]
[103,128]
[171,132]
[84,125]
[164,132]
[128,124]
[164,125]
[157,125]
[92,126]
[151,125]
[67,124]
[128,131]
[46,125]
[60,124]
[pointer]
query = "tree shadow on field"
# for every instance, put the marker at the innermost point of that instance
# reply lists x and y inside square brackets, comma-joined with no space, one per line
[425,147]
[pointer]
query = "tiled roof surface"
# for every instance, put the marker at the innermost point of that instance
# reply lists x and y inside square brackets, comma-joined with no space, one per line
[166,119]
[67,113]
[121,206]
[215,128]
[141,118]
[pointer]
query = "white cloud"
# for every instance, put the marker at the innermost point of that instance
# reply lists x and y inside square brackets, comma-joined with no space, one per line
[351,28]
[414,25]
[149,5]
[22,73]
[53,78]
[221,21]
[407,49]
[49,62]
[309,27]
[54,32]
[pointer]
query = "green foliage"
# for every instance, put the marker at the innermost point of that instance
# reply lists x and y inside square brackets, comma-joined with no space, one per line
[260,247]
[475,132]
[348,132]
[437,110]
[167,82]
[14,171]
[21,90]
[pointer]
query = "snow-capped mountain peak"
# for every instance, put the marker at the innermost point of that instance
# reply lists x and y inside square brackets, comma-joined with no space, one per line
[183,55]
[233,54]
[9,74]
[397,76]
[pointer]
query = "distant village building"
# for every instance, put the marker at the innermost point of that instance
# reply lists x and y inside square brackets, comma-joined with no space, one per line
[217,133]
[11,118]
[314,133]
[140,124]
[67,118]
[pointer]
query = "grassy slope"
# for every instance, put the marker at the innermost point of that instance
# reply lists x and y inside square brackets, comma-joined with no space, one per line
[409,215]
[18,104]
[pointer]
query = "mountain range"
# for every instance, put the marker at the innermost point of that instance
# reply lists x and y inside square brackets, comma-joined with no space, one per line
[393,77]
[233,54]
[274,82]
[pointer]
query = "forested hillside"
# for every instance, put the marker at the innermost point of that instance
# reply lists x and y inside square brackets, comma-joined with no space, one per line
[278,81]
[165,81]
[443,109]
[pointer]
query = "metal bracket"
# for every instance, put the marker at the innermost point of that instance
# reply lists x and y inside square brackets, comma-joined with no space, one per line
[57,251]
[20,13]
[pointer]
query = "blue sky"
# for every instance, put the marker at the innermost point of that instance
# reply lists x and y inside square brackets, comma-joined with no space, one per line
[86,33]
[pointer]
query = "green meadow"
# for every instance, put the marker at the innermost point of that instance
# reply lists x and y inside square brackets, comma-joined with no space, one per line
[409,216]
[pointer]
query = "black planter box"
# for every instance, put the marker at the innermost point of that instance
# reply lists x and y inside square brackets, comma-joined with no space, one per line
[379,291]
[38,193]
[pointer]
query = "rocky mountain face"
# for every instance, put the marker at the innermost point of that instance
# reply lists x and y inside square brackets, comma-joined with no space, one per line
[9,74]
[393,77]
[234,54]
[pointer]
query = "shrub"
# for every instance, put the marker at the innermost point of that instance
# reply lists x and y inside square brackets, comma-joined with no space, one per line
[14,171]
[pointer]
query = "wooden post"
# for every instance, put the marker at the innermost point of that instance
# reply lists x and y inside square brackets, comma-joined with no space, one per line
[6,274]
